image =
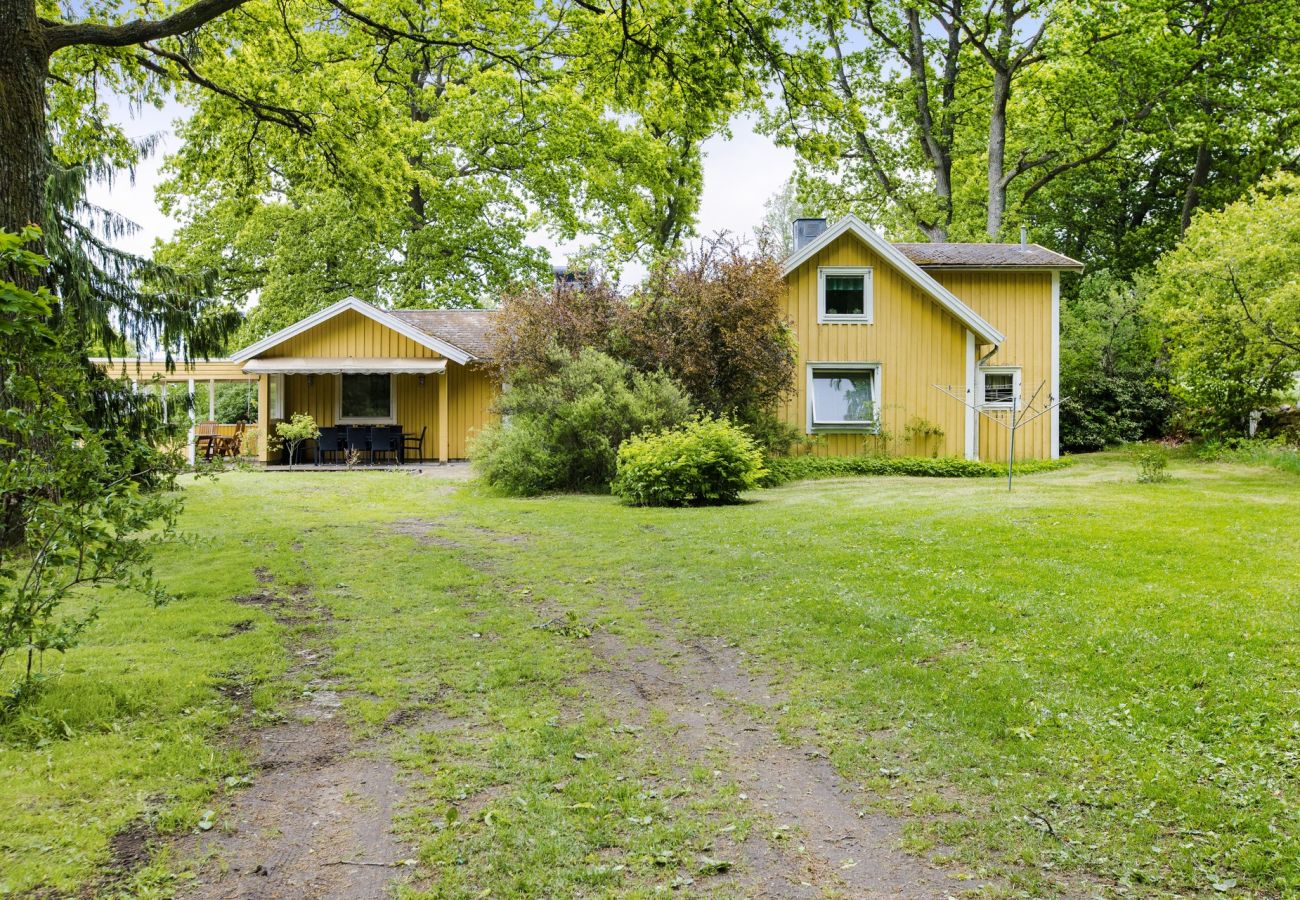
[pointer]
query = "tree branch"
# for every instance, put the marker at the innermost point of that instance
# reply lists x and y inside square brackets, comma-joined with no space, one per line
[60,34]
[293,119]
[1266,328]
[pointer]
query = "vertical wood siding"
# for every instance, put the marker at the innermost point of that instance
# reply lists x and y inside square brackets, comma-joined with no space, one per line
[351,334]
[918,344]
[471,389]
[1019,304]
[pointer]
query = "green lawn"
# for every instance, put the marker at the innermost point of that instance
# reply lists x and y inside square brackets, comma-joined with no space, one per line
[1115,659]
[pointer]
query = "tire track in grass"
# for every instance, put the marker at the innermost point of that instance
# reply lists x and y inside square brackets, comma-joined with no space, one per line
[821,842]
[316,820]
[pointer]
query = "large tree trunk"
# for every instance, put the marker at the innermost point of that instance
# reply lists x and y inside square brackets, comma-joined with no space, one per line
[936,142]
[1193,196]
[998,152]
[23,63]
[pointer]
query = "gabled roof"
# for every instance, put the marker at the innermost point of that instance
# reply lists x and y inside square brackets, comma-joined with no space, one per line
[910,270]
[383,317]
[468,329]
[988,256]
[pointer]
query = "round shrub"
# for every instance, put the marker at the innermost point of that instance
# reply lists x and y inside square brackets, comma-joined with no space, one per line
[705,461]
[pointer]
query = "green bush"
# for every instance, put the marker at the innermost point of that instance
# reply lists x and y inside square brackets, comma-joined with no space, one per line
[560,430]
[1152,464]
[796,468]
[705,461]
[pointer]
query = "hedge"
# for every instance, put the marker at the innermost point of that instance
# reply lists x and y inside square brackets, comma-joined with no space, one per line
[784,469]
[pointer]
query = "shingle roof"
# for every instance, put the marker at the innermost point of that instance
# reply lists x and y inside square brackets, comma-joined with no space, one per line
[468,329]
[987,256]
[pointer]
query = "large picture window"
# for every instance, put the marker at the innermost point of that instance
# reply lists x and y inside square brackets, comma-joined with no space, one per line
[843,397]
[366,399]
[844,294]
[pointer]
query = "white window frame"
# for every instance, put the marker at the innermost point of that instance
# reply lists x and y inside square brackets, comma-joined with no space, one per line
[868,295]
[275,397]
[390,419]
[873,427]
[1013,371]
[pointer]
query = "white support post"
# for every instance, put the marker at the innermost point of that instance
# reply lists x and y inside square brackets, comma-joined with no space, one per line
[212,399]
[1055,395]
[972,385]
[190,437]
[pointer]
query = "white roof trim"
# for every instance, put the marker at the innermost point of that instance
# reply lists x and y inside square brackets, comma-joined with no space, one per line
[423,338]
[914,273]
[351,365]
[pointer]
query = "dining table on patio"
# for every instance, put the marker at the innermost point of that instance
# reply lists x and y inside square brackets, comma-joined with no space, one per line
[369,443]
[209,441]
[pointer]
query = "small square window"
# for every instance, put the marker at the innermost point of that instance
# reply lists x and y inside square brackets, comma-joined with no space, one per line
[1000,386]
[844,295]
[842,398]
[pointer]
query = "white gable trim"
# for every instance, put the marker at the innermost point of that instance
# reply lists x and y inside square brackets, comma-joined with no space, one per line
[424,339]
[984,331]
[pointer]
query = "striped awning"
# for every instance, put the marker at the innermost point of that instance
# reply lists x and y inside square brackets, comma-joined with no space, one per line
[350,365]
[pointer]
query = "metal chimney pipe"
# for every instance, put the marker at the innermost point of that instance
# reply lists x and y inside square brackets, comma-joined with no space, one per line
[806,231]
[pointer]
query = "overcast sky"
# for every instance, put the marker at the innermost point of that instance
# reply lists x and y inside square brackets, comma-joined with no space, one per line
[740,173]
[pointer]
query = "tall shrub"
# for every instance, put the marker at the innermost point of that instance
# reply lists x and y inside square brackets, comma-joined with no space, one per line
[560,431]
[1229,298]
[536,321]
[1114,377]
[713,320]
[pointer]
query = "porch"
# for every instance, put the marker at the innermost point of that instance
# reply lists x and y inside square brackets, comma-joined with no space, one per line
[351,366]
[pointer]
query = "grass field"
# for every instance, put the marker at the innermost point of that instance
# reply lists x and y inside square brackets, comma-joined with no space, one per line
[1089,686]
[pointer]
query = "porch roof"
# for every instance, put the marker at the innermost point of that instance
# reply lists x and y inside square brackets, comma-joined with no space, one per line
[351,365]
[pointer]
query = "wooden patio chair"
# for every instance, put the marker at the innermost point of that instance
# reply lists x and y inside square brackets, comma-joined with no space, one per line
[205,439]
[231,444]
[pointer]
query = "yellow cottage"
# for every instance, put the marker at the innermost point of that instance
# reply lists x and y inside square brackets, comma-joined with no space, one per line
[916,349]
[423,372]
[923,349]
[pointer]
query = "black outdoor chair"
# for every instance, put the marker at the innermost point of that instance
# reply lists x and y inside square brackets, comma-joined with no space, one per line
[357,438]
[385,439]
[330,441]
[414,442]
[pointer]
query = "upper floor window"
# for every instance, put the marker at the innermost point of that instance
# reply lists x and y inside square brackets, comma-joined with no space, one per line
[844,294]
[999,386]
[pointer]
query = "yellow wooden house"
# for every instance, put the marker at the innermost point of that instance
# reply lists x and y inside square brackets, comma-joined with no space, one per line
[923,349]
[913,349]
[352,363]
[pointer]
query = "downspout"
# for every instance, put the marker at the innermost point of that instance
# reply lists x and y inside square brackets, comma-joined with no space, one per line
[973,416]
